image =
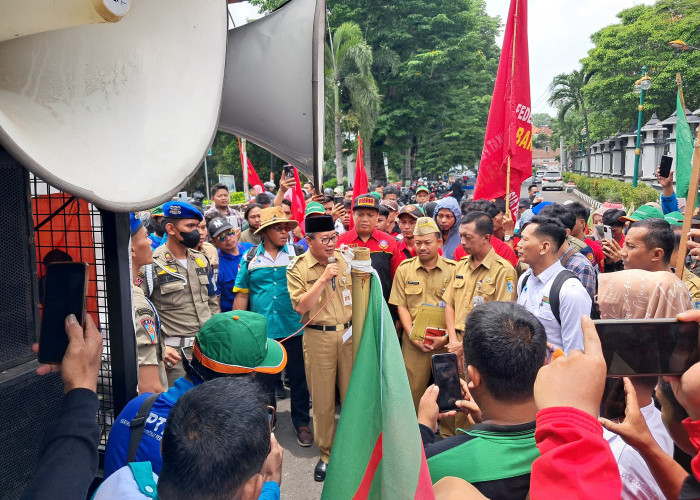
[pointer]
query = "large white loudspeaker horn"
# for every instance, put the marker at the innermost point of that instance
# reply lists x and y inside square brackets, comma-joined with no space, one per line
[273,88]
[119,114]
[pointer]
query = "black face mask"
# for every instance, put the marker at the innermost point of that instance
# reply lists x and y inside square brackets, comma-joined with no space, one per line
[191,239]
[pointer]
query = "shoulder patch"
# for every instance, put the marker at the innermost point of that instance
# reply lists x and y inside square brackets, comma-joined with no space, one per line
[144,311]
[294,261]
[150,326]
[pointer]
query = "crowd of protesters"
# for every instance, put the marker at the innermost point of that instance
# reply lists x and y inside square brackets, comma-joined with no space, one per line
[232,306]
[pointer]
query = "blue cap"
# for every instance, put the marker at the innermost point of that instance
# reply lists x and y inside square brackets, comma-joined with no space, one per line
[181,210]
[537,208]
[134,223]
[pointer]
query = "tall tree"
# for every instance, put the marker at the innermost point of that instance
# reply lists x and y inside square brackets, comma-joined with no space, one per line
[566,94]
[349,74]
[641,38]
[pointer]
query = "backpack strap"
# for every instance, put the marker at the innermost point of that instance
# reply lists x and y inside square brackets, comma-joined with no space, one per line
[407,253]
[527,276]
[556,289]
[250,254]
[568,255]
[137,424]
[143,475]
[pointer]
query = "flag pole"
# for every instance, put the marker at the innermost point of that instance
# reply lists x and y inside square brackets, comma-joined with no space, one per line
[244,168]
[360,299]
[509,214]
[692,190]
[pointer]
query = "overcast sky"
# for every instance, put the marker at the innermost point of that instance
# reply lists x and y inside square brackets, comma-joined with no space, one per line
[559,33]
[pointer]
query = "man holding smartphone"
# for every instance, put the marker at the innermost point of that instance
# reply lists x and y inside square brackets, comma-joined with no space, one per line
[180,283]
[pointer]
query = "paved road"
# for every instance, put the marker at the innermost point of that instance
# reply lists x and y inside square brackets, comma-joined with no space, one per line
[299,463]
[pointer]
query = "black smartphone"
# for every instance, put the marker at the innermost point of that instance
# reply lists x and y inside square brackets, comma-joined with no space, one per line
[338,200]
[665,166]
[271,417]
[64,294]
[613,404]
[287,172]
[446,376]
[648,347]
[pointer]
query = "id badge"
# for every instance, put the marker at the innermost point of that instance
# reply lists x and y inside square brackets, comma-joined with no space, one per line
[478,300]
[347,297]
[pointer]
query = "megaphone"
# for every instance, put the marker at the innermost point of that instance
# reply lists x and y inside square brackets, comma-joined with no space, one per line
[273,86]
[118,114]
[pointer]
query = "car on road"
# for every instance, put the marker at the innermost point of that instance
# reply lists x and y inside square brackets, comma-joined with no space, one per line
[538,176]
[552,180]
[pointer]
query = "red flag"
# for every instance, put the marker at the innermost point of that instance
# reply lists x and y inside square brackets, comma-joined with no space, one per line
[508,136]
[298,201]
[361,184]
[253,178]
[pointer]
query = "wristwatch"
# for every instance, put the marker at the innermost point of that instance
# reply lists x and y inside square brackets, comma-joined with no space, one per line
[508,237]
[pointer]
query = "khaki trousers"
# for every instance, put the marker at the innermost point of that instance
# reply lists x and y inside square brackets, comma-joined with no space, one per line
[328,362]
[419,368]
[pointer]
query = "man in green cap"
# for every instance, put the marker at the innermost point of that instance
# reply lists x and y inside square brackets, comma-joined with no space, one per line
[422,195]
[234,343]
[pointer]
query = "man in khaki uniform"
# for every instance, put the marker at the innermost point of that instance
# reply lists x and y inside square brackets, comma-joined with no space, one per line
[690,280]
[482,276]
[312,282]
[421,280]
[180,284]
[149,335]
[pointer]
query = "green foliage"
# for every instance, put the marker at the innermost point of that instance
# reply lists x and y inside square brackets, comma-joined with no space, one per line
[542,120]
[641,39]
[613,190]
[331,183]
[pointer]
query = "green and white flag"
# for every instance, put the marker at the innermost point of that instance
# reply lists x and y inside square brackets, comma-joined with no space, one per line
[684,150]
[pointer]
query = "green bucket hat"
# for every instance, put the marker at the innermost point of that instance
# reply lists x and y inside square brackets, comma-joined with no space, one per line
[644,212]
[314,207]
[236,342]
[155,212]
[674,218]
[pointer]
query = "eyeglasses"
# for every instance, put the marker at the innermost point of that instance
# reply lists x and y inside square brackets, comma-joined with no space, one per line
[330,239]
[282,228]
[222,237]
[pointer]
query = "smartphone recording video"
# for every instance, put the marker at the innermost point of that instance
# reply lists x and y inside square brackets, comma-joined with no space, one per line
[64,294]
[446,375]
[648,347]
[665,166]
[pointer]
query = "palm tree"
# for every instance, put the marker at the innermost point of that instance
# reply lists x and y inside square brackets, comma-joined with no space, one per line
[567,94]
[348,69]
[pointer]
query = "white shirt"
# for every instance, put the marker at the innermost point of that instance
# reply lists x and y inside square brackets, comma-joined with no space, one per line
[637,481]
[574,302]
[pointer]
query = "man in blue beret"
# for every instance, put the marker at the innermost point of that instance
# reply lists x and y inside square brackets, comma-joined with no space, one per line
[180,283]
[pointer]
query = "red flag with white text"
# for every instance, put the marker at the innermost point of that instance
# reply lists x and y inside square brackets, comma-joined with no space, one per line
[509,129]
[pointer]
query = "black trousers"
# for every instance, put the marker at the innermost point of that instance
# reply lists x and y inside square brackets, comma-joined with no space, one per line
[297,382]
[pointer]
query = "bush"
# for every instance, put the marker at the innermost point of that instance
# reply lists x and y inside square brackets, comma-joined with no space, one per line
[613,190]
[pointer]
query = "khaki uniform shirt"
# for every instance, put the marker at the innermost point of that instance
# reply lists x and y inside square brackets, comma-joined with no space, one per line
[492,280]
[184,297]
[248,236]
[212,254]
[303,272]
[692,281]
[150,340]
[415,285]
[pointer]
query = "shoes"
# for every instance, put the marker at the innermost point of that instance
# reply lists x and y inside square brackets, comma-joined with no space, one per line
[320,471]
[304,436]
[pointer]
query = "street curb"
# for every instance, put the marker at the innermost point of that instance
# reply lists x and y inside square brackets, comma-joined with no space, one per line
[594,203]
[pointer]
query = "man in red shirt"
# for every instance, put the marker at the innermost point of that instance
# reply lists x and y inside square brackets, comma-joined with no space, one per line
[383,249]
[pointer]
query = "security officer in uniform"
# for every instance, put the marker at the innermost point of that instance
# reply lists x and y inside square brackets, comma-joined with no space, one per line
[421,280]
[149,334]
[481,276]
[180,283]
[320,289]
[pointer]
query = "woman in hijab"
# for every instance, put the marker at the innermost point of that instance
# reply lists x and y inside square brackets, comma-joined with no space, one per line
[638,294]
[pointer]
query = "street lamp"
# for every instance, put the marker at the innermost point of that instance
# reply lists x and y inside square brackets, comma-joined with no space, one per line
[583,138]
[640,86]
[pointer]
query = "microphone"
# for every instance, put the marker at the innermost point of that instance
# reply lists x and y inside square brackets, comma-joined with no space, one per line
[331,260]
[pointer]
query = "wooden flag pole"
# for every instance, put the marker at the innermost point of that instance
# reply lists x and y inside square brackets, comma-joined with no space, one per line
[360,299]
[692,192]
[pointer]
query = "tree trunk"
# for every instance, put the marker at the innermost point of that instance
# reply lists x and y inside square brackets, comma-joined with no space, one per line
[407,165]
[338,151]
[367,153]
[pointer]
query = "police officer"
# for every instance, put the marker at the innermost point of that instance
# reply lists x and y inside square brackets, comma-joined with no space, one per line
[149,333]
[320,290]
[180,283]
[480,277]
[421,280]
